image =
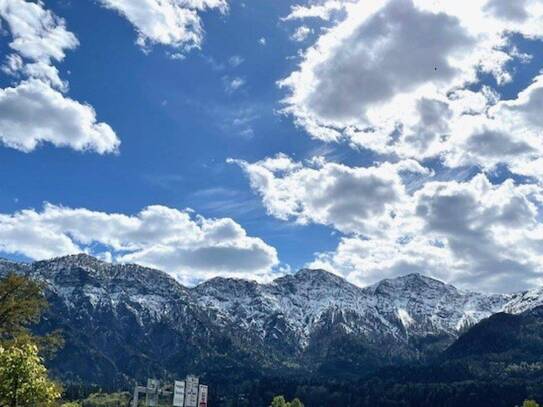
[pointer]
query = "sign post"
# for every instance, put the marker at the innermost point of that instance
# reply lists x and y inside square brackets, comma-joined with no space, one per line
[187,393]
[191,391]
[153,386]
[202,396]
[179,394]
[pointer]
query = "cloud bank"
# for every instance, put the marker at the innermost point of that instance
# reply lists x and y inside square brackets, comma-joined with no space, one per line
[398,77]
[408,81]
[472,233]
[188,246]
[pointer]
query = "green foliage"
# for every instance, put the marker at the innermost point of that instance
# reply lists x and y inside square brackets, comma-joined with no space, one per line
[530,403]
[106,400]
[279,401]
[21,304]
[23,377]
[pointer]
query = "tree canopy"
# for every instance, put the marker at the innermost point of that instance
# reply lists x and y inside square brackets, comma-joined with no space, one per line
[23,377]
[21,304]
[279,401]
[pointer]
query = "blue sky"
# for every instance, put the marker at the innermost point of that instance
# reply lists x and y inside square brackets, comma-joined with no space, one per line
[180,119]
[176,123]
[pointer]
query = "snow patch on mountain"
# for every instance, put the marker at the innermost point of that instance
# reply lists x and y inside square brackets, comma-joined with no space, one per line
[291,310]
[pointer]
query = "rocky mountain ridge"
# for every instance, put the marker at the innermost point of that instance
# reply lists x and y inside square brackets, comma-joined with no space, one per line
[129,319]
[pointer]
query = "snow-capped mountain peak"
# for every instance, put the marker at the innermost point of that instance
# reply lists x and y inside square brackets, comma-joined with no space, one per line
[293,314]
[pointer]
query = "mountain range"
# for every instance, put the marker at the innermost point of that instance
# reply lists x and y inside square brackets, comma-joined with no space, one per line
[124,322]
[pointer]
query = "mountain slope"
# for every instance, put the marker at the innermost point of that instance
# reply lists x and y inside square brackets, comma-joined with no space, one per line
[503,337]
[127,321]
[406,318]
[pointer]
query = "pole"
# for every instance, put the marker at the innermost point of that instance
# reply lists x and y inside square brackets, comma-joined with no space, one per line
[135,399]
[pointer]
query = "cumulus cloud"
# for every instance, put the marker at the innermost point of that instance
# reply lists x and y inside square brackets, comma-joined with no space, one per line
[37,33]
[474,234]
[404,78]
[352,200]
[175,23]
[35,110]
[32,113]
[39,38]
[397,77]
[508,132]
[188,246]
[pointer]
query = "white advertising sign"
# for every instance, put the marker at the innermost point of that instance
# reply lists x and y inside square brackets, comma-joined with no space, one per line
[191,391]
[202,396]
[179,394]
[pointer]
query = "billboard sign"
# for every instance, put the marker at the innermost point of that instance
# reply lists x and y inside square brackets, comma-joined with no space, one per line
[191,391]
[202,396]
[179,394]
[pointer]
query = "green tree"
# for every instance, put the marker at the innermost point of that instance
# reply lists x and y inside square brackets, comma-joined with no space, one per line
[23,377]
[22,303]
[530,403]
[279,401]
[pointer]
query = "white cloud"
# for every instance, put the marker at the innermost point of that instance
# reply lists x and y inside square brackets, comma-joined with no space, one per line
[352,200]
[39,38]
[474,234]
[508,132]
[301,33]
[232,85]
[32,113]
[175,23]
[37,34]
[187,246]
[394,76]
[403,78]
[322,11]
[14,63]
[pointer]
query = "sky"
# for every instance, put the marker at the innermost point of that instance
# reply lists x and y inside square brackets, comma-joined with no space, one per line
[249,139]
